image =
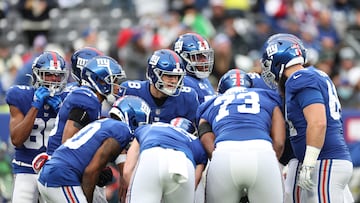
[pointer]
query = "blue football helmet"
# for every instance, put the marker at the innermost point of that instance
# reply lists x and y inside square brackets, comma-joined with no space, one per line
[280,51]
[46,65]
[290,37]
[234,78]
[104,75]
[197,54]
[166,62]
[79,59]
[132,110]
[184,124]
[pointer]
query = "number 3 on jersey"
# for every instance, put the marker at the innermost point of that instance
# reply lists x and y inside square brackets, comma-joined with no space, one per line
[247,103]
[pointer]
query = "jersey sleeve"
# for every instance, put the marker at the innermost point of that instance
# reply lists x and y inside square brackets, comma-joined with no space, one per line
[199,152]
[20,96]
[308,95]
[85,100]
[201,110]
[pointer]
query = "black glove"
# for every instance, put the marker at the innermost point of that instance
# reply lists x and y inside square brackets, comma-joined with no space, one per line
[105,177]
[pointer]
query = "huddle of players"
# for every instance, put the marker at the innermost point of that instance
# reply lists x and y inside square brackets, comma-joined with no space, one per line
[166,159]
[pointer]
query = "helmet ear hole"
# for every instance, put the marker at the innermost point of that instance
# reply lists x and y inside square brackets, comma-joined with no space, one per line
[114,117]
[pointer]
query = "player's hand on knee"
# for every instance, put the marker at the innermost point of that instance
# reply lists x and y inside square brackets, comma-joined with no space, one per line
[40,96]
[105,177]
[54,102]
[39,161]
[304,179]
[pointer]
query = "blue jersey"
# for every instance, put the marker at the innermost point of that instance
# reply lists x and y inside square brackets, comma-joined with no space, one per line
[80,97]
[167,136]
[242,115]
[309,86]
[203,87]
[184,105]
[68,162]
[21,97]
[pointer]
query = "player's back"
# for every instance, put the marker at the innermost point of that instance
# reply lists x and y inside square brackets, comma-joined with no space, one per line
[241,115]
[203,87]
[69,161]
[21,97]
[296,100]
[183,105]
[80,97]
[167,136]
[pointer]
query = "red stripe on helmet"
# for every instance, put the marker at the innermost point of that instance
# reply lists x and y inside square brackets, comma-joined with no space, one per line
[176,122]
[201,39]
[53,54]
[238,77]
[176,57]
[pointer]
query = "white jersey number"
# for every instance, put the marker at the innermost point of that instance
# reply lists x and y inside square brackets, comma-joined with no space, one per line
[40,133]
[251,103]
[83,135]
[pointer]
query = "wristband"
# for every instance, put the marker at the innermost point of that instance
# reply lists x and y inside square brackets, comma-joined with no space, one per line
[120,159]
[311,156]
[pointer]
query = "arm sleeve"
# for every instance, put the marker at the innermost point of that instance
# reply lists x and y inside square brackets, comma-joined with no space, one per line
[80,116]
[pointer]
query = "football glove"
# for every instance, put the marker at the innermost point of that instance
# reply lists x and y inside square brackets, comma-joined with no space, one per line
[305,181]
[39,97]
[105,177]
[54,102]
[307,169]
[39,161]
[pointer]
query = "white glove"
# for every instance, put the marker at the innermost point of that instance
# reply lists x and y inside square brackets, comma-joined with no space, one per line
[307,169]
[304,180]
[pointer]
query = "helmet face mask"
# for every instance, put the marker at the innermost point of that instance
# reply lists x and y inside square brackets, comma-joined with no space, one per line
[104,75]
[168,88]
[196,53]
[163,66]
[49,71]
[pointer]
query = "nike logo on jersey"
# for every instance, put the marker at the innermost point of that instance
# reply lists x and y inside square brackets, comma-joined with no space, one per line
[296,76]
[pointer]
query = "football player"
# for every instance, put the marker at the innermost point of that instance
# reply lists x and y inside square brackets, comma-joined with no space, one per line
[313,113]
[198,59]
[74,168]
[101,78]
[242,125]
[164,90]
[33,110]
[164,163]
